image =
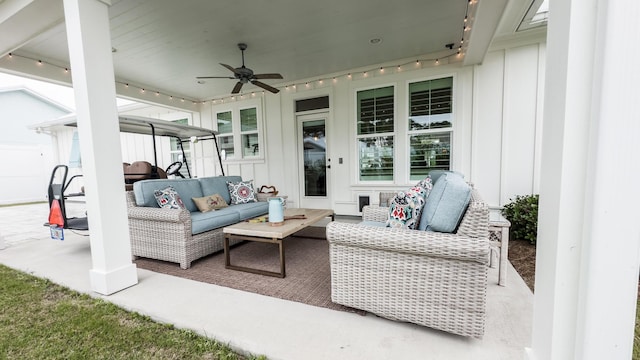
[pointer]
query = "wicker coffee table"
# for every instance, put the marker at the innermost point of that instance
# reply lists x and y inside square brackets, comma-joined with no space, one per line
[265,232]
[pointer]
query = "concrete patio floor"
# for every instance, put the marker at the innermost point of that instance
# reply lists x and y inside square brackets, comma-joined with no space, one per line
[257,324]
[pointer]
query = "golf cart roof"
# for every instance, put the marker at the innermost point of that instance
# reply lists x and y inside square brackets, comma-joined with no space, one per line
[149,126]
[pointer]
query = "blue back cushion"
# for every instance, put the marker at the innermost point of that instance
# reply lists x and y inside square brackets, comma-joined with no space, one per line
[446,204]
[218,185]
[186,188]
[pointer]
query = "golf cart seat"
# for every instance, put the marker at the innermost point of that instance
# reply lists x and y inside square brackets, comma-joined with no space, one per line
[140,170]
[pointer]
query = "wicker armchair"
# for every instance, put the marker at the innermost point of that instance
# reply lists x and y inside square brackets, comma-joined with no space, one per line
[432,279]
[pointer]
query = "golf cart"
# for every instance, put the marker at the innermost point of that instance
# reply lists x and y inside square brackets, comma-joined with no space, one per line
[59,186]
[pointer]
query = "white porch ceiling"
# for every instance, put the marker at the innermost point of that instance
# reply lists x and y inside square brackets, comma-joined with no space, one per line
[164,44]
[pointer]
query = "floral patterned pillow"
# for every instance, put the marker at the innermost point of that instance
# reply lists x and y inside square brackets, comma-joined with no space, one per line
[168,198]
[406,208]
[241,192]
[427,184]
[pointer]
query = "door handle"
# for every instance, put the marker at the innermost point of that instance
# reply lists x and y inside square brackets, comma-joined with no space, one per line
[328,166]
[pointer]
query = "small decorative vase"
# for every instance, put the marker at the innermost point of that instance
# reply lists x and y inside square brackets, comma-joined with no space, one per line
[276,211]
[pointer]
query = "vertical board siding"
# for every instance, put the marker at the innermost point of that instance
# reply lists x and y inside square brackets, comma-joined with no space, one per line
[487,127]
[519,123]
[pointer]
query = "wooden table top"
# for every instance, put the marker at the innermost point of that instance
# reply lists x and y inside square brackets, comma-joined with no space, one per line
[290,226]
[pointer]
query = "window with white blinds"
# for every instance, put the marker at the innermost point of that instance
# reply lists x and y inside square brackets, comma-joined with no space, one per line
[430,126]
[375,133]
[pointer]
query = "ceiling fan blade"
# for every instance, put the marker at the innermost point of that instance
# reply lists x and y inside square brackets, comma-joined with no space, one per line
[236,89]
[229,67]
[215,77]
[267,76]
[265,86]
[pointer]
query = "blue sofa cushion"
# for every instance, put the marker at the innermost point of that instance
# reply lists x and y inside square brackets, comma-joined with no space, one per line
[435,174]
[186,188]
[446,204]
[201,222]
[250,210]
[218,185]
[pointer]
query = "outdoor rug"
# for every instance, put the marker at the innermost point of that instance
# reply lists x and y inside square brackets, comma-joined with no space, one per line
[308,277]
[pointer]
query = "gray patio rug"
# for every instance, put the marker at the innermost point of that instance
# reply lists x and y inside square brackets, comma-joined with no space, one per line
[308,278]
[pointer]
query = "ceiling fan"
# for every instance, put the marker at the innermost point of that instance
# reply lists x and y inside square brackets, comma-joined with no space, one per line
[244,75]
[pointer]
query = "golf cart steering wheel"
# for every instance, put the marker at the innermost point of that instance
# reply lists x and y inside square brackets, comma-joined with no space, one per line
[174,169]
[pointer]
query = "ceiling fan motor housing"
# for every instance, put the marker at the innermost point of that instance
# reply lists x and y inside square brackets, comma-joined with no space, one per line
[243,74]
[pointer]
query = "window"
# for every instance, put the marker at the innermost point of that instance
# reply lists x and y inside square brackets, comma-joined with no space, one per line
[239,133]
[249,131]
[430,126]
[225,137]
[375,133]
[176,153]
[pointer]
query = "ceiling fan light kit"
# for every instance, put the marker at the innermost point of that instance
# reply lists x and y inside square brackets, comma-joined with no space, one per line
[245,75]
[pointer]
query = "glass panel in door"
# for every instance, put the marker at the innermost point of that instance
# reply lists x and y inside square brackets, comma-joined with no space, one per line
[315,158]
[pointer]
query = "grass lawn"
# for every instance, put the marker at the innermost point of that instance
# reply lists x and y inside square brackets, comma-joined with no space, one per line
[42,320]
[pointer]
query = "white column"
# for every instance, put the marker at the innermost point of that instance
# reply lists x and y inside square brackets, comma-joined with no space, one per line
[89,40]
[588,234]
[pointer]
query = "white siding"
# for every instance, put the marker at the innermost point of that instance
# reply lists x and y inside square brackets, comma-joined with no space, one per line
[496,129]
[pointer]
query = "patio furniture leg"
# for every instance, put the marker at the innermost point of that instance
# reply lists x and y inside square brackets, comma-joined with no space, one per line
[504,255]
[227,256]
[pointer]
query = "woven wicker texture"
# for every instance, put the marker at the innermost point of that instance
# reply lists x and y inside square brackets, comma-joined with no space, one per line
[432,279]
[165,234]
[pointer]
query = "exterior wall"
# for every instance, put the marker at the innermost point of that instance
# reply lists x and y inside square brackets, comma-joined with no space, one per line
[28,170]
[496,141]
[507,111]
[27,155]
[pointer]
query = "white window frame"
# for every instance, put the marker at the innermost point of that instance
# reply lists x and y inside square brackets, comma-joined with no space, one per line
[448,130]
[393,134]
[237,133]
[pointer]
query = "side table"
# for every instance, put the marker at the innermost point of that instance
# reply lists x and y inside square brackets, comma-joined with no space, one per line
[499,238]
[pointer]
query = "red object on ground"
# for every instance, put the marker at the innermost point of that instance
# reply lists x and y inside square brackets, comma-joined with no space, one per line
[55,214]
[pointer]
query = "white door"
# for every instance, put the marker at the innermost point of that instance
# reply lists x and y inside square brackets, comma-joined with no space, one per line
[314,165]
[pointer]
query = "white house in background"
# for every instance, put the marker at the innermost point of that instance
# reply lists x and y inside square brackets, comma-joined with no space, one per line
[26,154]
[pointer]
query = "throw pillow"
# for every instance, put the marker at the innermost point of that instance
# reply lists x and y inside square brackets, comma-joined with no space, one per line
[426,184]
[446,205]
[168,198]
[210,203]
[241,192]
[406,207]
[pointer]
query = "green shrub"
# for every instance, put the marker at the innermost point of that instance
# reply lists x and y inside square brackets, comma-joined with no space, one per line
[523,215]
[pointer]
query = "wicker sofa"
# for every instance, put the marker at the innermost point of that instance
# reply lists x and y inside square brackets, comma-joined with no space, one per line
[438,280]
[183,235]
